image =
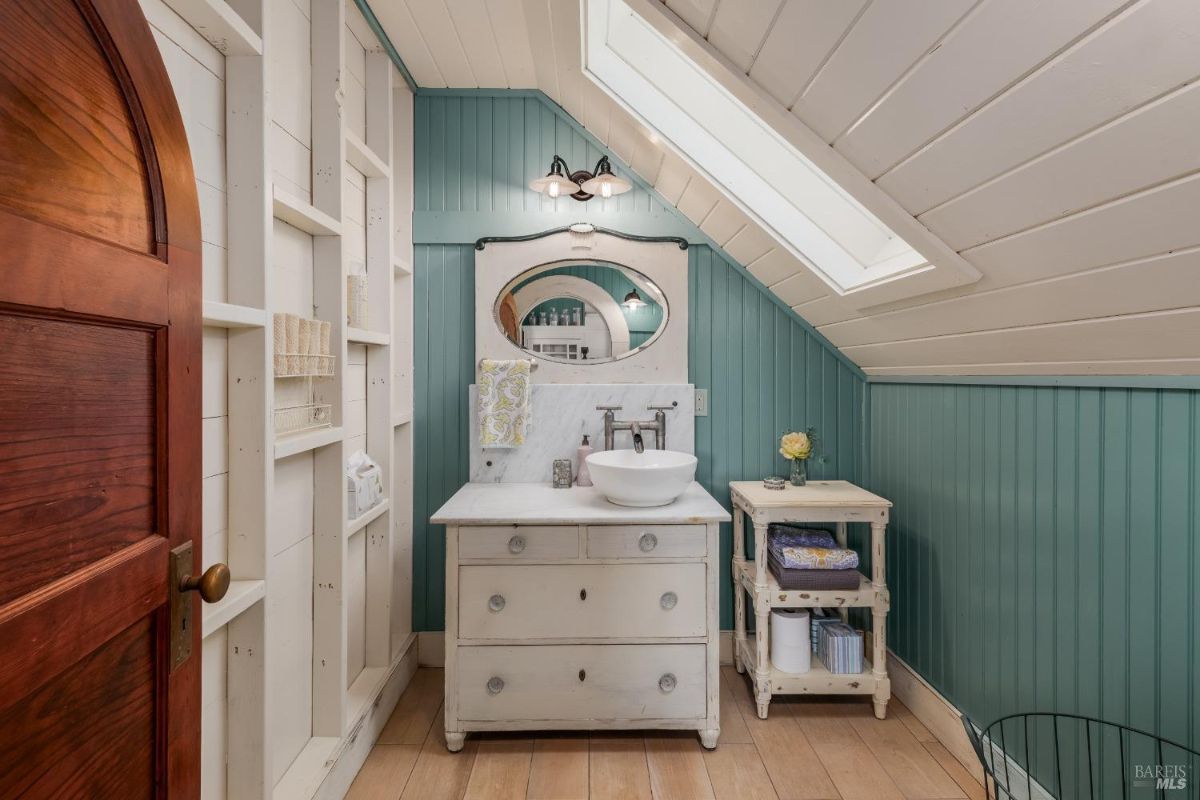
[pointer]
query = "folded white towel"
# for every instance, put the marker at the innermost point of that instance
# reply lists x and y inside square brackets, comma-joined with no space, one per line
[505,407]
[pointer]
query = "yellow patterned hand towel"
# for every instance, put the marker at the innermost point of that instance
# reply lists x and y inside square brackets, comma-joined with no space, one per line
[505,404]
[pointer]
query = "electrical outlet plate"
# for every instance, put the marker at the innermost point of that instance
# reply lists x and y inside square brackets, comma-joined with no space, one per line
[702,402]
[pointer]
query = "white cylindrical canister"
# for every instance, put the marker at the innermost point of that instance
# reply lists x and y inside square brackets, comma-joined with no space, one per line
[791,649]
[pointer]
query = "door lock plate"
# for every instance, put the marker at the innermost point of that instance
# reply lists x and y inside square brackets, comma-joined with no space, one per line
[181,604]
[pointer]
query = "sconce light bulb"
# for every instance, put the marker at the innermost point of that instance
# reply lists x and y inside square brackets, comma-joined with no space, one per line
[552,190]
[606,190]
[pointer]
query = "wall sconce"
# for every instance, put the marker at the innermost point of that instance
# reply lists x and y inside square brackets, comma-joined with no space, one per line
[581,184]
[633,301]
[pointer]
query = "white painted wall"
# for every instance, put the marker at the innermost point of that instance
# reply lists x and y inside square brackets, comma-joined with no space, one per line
[197,71]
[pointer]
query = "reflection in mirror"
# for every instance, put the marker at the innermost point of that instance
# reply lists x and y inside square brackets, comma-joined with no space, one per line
[581,312]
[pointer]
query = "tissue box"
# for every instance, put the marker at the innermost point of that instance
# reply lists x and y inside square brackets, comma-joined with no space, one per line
[364,484]
[821,618]
[841,649]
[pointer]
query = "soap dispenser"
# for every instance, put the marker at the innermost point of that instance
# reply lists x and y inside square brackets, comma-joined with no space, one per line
[582,476]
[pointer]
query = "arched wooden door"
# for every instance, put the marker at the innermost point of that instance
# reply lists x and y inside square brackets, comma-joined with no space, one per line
[100,326]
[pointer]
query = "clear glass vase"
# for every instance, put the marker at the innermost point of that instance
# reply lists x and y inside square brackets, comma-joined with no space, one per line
[799,471]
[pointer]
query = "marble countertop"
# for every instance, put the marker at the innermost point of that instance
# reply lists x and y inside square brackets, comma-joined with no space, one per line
[540,503]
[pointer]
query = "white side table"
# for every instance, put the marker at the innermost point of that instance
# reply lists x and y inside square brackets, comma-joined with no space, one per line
[839,502]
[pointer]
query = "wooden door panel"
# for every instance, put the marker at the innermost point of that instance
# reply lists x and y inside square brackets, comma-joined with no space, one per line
[90,731]
[75,161]
[77,445]
[99,407]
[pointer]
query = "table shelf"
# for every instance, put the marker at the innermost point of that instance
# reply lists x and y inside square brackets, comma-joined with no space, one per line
[865,596]
[818,679]
[839,502]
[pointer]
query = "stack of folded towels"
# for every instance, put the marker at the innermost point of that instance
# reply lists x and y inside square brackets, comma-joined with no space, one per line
[809,558]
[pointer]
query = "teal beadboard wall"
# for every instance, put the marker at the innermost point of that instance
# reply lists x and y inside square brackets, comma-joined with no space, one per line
[1043,550]
[764,368]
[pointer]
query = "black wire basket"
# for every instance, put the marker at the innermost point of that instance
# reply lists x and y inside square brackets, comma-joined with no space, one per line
[1068,756]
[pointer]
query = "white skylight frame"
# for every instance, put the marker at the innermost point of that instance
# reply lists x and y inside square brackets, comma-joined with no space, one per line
[812,201]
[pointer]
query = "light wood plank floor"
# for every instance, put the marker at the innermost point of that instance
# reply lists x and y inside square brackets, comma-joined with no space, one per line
[826,748]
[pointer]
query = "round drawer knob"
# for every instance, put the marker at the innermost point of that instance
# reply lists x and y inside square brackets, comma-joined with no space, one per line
[516,544]
[495,685]
[496,602]
[668,600]
[647,542]
[666,683]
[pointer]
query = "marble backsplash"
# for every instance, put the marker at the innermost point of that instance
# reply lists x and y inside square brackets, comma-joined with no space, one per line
[563,413]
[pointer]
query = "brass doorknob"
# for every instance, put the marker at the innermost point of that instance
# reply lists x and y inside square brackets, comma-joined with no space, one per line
[212,585]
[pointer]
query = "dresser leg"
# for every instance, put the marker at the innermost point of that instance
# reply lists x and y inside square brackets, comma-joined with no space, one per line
[708,738]
[455,741]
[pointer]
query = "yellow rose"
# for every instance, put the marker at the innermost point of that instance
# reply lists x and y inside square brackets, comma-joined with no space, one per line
[795,445]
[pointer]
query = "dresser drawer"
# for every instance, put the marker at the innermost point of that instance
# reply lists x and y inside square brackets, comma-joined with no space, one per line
[519,541]
[647,541]
[585,601]
[582,682]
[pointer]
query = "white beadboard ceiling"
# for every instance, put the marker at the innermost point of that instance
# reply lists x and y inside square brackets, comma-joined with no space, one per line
[1054,145]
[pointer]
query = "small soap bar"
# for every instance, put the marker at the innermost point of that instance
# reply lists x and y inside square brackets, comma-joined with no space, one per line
[562,473]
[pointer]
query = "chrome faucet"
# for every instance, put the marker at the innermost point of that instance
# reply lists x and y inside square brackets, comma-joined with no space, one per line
[658,425]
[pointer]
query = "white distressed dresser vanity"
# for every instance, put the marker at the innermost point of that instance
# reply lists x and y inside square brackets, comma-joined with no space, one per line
[564,611]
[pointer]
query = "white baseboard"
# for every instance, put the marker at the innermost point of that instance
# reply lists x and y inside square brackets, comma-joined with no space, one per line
[331,779]
[935,712]
[431,649]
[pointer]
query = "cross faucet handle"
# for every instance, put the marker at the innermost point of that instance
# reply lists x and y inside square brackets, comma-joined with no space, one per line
[609,408]
[671,407]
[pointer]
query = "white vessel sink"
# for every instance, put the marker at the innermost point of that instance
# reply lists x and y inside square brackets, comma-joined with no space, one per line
[652,478]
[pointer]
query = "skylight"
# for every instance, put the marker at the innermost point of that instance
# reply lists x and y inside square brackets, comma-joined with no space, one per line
[730,131]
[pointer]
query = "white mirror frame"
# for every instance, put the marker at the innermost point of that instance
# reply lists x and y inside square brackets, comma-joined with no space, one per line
[664,360]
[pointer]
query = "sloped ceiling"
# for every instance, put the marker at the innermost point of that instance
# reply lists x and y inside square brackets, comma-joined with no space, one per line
[1054,145]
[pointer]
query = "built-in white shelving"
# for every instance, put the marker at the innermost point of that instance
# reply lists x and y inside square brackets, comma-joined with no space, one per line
[356,670]
[303,215]
[227,315]
[364,159]
[241,595]
[364,336]
[297,443]
[223,27]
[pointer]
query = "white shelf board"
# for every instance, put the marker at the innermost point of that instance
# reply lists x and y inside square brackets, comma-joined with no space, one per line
[241,595]
[364,336]
[227,315]
[303,215]
[295,443]
[223,27]
[303,778]
[364,689]
[364,159]
[356,525]
[864,596]
[403,268]
[402,417]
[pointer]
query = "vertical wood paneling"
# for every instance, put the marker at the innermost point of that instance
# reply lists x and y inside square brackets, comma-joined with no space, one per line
[1043,549]
[763,369]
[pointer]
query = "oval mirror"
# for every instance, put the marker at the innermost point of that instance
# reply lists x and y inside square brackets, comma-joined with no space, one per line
[581,312]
